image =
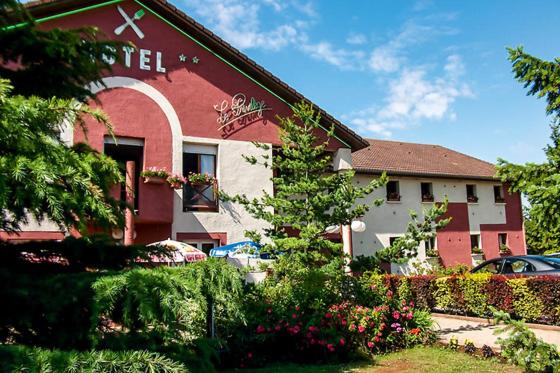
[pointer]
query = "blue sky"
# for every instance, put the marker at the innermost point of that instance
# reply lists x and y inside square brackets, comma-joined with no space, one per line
[422,71]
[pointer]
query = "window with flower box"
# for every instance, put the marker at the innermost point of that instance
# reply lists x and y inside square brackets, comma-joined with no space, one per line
[426,192]
[499,194]
[393,191]
[199,167]
[471,193]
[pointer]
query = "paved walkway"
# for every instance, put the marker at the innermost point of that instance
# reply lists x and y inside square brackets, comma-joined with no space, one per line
[481,332]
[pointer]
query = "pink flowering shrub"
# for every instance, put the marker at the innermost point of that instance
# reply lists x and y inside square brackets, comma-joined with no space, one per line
[340,332]
[320,314]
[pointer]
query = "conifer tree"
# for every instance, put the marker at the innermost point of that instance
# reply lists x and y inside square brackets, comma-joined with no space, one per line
[540,183]
[309,197]
[43,76]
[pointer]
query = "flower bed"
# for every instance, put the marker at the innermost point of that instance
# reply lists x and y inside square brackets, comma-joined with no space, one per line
[534,299]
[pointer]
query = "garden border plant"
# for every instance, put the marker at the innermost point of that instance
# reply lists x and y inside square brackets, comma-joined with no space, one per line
[534,299]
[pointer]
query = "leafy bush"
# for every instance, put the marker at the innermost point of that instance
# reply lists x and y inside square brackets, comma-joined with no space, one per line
[526,304]
[319,314]
[32,359]
[535,299]
[522,347]
[47,310]
[472,287]
[167,306]
[72,255]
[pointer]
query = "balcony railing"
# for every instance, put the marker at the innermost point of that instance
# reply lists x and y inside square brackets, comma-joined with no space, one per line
[200,196]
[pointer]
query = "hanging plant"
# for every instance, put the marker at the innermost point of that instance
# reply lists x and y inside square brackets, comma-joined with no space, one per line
[176,181]
[195,178]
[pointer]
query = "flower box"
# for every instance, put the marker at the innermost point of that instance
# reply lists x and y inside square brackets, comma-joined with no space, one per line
[472,199]
[499,200]
[427,198]
[154,180]
[395,197]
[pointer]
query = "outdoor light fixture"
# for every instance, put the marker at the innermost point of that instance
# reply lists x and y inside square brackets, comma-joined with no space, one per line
[358,226]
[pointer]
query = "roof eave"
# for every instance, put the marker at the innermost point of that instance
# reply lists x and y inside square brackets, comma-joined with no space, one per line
[425,174]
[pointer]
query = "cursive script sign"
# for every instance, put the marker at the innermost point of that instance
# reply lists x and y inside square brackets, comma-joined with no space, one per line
[239,109]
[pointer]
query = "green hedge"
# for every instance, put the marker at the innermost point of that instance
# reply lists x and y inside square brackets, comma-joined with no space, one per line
[32,359]
[534,299]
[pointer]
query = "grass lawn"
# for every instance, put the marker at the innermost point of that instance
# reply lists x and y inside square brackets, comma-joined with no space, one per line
[418,359]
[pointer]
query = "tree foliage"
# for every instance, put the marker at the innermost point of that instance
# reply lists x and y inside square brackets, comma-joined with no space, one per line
[33,359]
[42,75]
[406,247]
[540,183]
[309,197]
[54,62]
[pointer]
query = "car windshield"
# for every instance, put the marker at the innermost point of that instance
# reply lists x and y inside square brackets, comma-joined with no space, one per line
[554,262]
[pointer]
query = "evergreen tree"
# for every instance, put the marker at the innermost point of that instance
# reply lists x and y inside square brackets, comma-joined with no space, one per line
[42,75]
[540,183]
[309,197]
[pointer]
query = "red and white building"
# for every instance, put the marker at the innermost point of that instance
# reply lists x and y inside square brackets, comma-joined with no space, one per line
[187,101]
[484,215]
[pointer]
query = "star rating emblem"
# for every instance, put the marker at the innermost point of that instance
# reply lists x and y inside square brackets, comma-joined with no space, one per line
[195,60]
[182,57]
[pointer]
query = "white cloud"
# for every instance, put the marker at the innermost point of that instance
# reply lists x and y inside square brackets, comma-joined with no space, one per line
[237,21]
[384,59]
[414,97]
[356,39]
[324,51]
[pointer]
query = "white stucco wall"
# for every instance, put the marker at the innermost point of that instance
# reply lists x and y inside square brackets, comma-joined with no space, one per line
[391,218]
[235,176]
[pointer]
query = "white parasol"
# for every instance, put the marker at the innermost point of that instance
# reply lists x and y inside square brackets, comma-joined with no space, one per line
[181,252]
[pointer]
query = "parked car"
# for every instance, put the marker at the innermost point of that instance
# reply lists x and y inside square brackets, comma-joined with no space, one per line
[528,265]
[554,255]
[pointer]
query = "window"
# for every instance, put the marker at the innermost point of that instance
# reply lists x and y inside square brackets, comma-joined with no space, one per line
[498,194]
[502,243]
[393,191]
[430,246]
[492,267]
[427,193]
[200,196]
[392,240]
[475,244]
[204,246]
[517,266]
[471,193]
[124,150]
[502,238]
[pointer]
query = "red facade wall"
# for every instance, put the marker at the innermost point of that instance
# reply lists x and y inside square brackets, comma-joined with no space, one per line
[192,89]
[513,227]
[453,241]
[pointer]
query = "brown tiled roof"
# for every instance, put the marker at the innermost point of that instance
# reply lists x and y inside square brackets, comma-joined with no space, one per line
[405,158]
[47,8]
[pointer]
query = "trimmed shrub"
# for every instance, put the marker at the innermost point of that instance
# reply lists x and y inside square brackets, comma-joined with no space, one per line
[443,294]
[31,359]
[472,288]
[535,299]
[525,304]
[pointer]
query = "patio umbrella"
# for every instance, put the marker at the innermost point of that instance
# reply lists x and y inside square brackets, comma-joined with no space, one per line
[180,252]
[244,248]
